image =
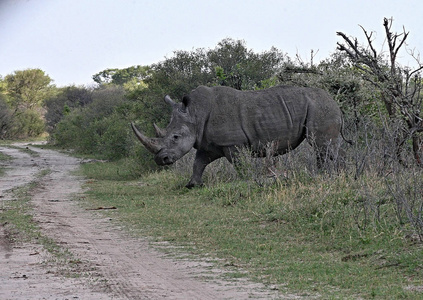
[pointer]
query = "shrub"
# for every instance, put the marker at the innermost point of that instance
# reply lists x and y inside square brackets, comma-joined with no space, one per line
[28,123]
[6,118]
[61,104]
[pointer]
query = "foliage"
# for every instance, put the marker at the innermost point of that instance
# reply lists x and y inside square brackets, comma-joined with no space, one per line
[6,118]
[356,97]
[25,91]
[122,76]
[97,121]
[63,102]
[174,76]
[99,127]
[400,87]
[242,68]
[2,85]
[27,124]
[28,88]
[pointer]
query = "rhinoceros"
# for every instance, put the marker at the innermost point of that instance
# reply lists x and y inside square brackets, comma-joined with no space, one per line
[218,120]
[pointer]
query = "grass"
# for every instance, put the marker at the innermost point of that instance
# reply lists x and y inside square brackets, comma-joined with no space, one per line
[311,235]
[3,157]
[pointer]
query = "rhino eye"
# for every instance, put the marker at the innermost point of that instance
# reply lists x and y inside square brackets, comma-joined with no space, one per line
[175,137]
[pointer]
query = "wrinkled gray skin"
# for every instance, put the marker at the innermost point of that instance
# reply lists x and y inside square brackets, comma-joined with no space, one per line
[217,121]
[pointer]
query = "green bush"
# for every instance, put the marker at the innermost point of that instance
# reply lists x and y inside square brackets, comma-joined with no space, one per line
[63,102]
[6,118]
[102,128]
[28,123]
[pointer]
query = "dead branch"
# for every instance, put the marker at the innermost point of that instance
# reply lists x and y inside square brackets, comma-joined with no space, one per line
[400,87]
[369,41]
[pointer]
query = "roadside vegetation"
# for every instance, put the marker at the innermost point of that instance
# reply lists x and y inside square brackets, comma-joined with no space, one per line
[3,157]
[351,230]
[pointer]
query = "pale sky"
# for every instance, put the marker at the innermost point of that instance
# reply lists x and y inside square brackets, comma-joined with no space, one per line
[71,40]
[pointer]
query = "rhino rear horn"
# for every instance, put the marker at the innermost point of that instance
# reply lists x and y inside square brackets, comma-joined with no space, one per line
[180,107]
[169,101]
[152,145]
[159,131]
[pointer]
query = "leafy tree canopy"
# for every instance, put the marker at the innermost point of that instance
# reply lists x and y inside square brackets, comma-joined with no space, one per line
[239,67]
[122,76]
[27,89]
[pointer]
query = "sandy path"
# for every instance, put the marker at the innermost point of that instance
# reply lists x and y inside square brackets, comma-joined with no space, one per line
[110,264]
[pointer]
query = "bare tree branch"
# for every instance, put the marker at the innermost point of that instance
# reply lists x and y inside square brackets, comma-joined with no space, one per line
[400,87]
[369,41]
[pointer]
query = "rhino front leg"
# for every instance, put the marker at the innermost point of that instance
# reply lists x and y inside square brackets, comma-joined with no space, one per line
[202,159]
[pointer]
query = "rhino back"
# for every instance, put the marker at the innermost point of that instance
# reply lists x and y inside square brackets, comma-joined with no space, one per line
[257,117]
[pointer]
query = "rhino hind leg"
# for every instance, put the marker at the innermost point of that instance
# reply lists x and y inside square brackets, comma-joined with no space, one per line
[326,144]
[202,159]
[329,149]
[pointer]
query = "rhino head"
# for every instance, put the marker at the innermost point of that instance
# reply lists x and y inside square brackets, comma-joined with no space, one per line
[176,140]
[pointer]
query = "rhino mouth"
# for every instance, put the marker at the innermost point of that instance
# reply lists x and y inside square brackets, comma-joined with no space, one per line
[163,159]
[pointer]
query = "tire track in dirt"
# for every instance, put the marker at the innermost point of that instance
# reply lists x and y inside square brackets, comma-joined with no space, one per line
[112,265]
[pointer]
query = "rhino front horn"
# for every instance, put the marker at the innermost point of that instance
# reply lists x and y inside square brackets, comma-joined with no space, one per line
[152,145]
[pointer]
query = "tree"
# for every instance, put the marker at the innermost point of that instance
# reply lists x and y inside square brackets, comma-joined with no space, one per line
[122,76]
[6,120]
[237,66]
[400,87]
[62,103]
[28,88]
[2,85]
[98,127]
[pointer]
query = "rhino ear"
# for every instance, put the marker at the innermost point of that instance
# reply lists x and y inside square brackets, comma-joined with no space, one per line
[185,103]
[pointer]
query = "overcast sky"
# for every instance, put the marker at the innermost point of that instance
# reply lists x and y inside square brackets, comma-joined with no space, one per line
[71,40]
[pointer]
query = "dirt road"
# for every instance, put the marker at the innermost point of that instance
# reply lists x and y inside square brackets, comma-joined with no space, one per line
[107,264]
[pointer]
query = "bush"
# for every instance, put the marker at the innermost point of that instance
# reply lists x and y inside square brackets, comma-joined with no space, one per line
[6,118]
[19,124]
[102,128]
[62,103]
[28,123]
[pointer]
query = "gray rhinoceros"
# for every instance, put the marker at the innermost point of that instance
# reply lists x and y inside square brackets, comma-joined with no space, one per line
[218,120]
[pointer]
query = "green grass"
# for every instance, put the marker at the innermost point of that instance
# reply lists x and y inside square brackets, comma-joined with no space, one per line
[314,236]
[3,157]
